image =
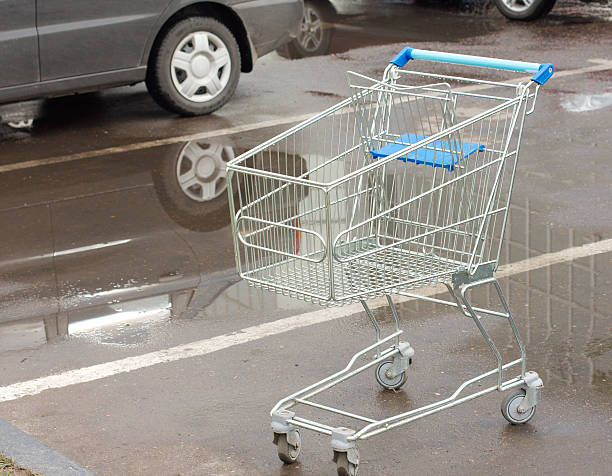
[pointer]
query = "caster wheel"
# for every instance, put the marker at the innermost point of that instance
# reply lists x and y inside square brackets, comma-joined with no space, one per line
[386,382]
[509,409]
[288,446]
[343,465]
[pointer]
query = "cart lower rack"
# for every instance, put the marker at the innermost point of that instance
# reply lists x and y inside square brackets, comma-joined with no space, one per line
[405,184]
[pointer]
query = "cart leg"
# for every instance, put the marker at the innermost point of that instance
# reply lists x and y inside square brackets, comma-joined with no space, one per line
[374,323]
[518,407]
[391,374]
[508,315]
[403,359]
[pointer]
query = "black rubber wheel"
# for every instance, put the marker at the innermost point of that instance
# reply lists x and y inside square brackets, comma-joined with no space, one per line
[387,383]
[509,409]
[288,453]
[194,68]
[523,9]
[315,33]
[343,466]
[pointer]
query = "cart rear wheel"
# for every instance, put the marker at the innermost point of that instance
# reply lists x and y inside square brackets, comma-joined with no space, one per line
[288,452]
[509,409]
[343,465]
[387,382]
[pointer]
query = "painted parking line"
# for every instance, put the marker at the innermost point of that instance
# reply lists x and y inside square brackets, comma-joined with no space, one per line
[260,331]
[600,65]
[91,154]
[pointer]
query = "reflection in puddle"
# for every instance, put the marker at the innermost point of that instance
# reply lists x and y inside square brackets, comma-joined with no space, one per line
[587,102]
[201,170]
[192,186]
[240,298]
[124,324]
[121,245]
[562,314]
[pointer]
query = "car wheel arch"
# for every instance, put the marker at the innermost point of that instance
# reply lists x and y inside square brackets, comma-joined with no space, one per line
[180,10]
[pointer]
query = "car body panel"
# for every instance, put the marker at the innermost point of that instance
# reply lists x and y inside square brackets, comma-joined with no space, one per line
[18,43]
[86,46]
[78,38]
[76,84]
[256,15]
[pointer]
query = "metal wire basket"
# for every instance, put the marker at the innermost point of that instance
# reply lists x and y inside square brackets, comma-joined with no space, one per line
[396,187]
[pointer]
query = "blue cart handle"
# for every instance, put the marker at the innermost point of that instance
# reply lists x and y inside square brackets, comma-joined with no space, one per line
[542,71]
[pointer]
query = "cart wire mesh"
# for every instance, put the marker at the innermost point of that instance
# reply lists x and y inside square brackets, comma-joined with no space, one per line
[397,187]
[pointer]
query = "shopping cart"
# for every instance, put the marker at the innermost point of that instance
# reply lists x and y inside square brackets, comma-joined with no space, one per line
[403,185]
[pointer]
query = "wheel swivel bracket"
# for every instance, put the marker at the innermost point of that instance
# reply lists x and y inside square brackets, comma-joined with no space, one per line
[341,444]
[533,391]
[281,426]
[402,360]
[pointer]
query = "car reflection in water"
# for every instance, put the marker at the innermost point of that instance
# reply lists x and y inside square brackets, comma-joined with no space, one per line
[96,244]
[192,185]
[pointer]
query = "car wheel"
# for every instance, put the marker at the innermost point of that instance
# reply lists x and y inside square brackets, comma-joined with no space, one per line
[191,185]
[524,9]
[21,124]
[195,67]
[314,35]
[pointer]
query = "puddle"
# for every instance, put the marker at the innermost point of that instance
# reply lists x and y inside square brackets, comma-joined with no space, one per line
[90,239]
[124,324]
[587,102]
[133,244]
[164,236]
[562,311]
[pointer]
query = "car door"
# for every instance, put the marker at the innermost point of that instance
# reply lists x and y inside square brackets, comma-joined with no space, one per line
[18,43]
[79,37]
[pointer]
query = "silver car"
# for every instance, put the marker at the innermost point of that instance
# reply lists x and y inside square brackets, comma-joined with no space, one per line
[189,53]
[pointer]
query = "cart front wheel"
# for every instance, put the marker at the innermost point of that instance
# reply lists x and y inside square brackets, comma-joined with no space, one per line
[383,378]
[509,409]
[288,448]
[343,465]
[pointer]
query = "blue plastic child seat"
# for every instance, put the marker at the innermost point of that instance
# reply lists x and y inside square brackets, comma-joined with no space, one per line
[436,154]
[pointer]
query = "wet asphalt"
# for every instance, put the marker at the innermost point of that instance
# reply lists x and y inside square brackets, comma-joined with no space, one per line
[95,226]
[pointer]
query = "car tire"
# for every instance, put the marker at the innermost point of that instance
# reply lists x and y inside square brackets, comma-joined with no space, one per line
[194,68]
[519,10]
[186,205]
[315,34]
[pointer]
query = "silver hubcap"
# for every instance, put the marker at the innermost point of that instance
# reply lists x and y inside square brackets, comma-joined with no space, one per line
[200,66]
[201,169]
[518,5]
[310,35]
[24,124]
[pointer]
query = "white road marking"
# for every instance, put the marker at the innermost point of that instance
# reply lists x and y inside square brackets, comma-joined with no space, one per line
[260,331]
[91,154]
[601,65]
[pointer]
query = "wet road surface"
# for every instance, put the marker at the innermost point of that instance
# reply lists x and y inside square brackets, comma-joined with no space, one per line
[104,243]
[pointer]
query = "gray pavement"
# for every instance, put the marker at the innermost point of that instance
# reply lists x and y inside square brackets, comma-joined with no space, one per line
[171,265]
[33,455]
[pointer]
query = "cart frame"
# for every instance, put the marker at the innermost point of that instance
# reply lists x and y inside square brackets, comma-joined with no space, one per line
[267,244]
